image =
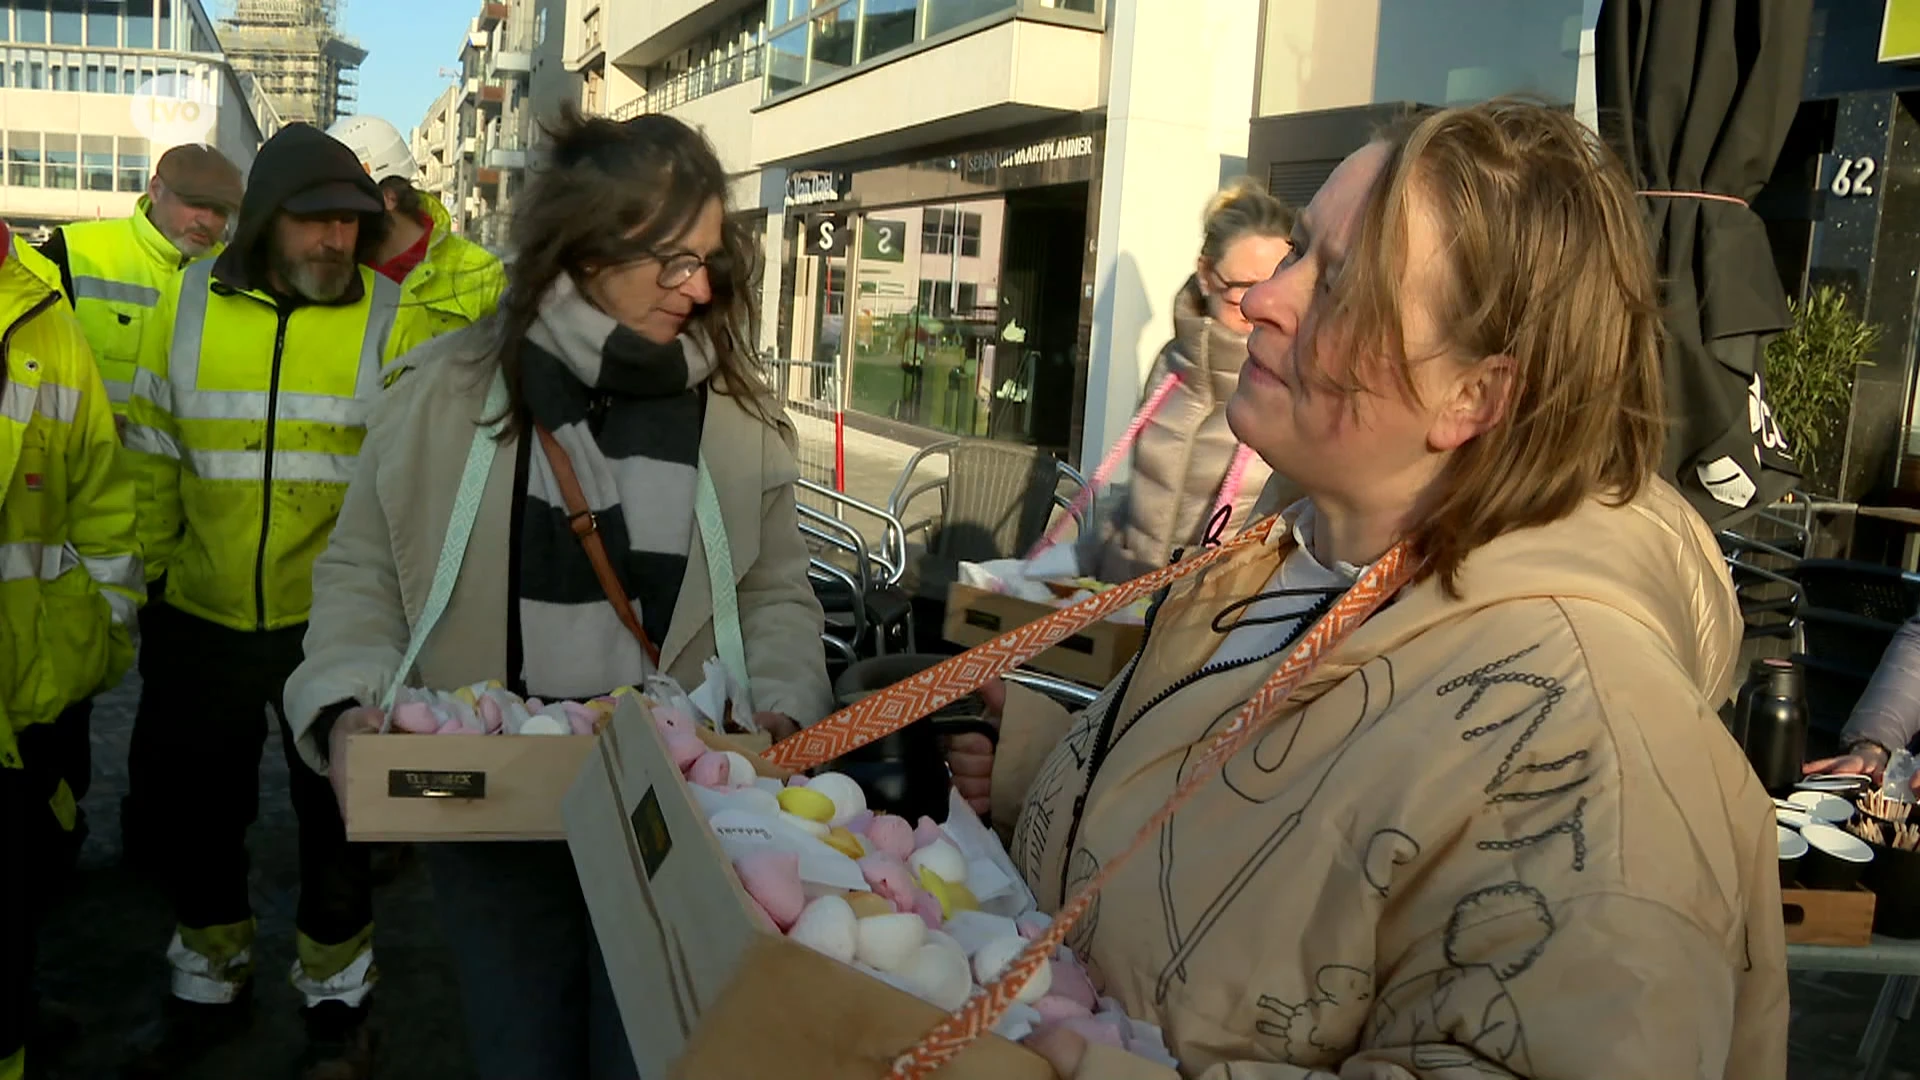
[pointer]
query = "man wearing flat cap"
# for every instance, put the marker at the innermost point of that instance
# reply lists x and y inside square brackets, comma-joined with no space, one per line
[113,273]
[245,430]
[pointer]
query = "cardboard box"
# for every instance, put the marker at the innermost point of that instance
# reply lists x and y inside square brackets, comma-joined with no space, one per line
[460,787]
[703,991]
[1094,656]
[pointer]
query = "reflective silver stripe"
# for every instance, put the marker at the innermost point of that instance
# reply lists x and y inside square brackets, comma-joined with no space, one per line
[19,401]
[152,388]
[98,288]
[288,465]
[116,571]
[190,324]
[33,561]
[119,391]
[126,612]
[252,405]
[142,439]
[383,310]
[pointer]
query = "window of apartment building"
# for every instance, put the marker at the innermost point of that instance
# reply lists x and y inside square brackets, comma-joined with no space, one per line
[23,158]
[833,34]
[540,28]
[103,24]
[887,25]
[67,22]
[944,15]
[134,163]
[139,25]
[787,60]
[96,162]
[938,298]
[164,37]
[939,229]
[30,21]
[782,12]
[63,161]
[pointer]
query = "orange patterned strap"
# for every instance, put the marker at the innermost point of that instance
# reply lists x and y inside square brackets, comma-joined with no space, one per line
[903,703]
[1381,581]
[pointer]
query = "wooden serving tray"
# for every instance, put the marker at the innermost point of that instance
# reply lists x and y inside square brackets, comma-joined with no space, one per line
[1828,916]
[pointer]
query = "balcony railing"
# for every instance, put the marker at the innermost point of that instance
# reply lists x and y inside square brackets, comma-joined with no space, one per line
[695,83]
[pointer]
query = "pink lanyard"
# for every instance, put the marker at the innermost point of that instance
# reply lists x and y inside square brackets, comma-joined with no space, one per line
[1229,489]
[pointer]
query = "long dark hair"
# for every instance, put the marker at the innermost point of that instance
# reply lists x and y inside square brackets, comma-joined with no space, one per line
[602,180]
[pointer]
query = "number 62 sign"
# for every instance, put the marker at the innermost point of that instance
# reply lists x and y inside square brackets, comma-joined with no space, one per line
[1853,176]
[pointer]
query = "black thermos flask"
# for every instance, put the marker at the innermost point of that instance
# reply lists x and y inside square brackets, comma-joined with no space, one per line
[1770,720]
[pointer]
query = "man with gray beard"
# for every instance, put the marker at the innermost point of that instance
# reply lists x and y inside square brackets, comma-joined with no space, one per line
[245,432]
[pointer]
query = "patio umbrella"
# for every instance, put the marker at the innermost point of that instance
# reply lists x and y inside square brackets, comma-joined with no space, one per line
[1697,96]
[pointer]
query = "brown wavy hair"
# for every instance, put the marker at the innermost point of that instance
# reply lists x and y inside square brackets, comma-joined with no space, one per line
[1547,262]
[602,180]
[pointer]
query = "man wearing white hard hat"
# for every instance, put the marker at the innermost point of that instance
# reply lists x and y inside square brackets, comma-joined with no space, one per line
[447,281]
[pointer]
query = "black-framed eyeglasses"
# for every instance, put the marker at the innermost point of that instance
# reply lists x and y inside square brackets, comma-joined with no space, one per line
[677,270]
[1231,292]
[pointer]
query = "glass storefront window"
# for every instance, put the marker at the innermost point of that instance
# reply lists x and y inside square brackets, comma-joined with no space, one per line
[887,25]
[140,24]
[134,157]
[23,158]
[944,15]
[787,61]
[63,162]
[103,25]
[30,22]
[96,162]
[66,22]
[833,35]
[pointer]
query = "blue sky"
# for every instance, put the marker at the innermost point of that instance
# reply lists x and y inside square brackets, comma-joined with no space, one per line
[407,43]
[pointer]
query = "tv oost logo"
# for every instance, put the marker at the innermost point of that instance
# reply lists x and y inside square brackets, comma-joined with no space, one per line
[172,110]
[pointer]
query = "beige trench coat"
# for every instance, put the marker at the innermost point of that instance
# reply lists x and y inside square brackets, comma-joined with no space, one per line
[372,581]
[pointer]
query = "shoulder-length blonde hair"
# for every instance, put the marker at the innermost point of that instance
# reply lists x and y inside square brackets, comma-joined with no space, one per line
[1545,260]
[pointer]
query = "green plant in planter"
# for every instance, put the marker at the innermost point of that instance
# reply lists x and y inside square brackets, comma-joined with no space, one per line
[1810,370]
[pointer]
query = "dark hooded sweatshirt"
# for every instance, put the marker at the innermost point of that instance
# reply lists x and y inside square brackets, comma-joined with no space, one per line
[299,157]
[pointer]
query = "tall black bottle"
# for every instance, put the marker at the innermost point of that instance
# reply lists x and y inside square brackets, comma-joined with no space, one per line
[1770,720]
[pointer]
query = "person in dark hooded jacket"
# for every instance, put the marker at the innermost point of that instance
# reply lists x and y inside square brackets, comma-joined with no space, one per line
[244,436]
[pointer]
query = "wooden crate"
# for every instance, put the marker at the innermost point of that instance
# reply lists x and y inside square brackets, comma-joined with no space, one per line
[1828,916]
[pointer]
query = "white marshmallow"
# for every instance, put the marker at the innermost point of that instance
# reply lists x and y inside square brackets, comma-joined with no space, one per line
[848,799]
[943,859]
[828,925]
[996,956]
[938,974]
[889,942]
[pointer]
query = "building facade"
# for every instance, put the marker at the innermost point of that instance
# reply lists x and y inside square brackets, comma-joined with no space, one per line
[435,143]
[92,93]
[957,197]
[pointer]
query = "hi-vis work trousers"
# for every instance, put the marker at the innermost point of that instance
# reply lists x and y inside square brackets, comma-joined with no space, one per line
[204,714]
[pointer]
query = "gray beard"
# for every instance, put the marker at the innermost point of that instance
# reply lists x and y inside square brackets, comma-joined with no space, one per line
[320,283]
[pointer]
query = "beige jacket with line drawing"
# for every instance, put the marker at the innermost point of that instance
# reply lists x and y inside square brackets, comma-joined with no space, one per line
[1499,835]
[373,579]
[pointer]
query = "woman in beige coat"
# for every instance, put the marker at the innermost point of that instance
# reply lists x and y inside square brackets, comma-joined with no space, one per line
[620,336]
[1183,466]
[1499,830]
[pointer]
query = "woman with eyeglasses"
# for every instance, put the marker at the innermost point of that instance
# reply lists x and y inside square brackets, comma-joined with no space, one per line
[1186,463]
[619,354]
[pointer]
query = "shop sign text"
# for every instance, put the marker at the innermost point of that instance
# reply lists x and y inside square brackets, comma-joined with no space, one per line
[1061,149]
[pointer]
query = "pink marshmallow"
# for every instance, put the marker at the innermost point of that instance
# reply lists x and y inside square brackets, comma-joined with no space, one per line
[1071,981]
[684,748]
[579,725]
[772,878]
[1053,1009]
[1098,1029]
[1032,925]
[798,780]
[926,832]
[927,906]
[891,835]
[534,704]
[669,718]
[709,770]
[415,717]
[490,714]
[888,875]
[860,823]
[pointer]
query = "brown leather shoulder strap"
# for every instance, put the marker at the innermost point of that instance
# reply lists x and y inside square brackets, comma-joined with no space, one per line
[586,527]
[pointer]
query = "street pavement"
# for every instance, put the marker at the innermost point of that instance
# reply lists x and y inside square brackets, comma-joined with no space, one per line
[102,956]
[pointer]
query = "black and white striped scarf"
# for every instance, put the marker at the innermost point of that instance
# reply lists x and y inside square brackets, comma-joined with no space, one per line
[629,413]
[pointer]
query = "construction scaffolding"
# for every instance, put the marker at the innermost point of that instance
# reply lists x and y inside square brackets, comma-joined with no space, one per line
[296,52]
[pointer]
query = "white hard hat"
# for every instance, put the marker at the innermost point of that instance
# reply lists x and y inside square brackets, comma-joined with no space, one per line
[381,149]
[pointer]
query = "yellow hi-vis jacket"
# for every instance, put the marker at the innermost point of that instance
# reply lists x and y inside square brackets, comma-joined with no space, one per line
[456,285]
[119,268]
[248,428]
[70,576]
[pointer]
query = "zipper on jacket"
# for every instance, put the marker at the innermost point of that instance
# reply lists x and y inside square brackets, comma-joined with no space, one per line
[266,480]
[1103,745]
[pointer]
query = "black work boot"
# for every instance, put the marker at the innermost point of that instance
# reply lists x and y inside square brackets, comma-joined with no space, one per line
[339,1043]
[185,1035]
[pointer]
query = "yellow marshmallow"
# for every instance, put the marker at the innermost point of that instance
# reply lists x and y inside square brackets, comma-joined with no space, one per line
[953,896]
[802,803]
[846,843]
